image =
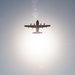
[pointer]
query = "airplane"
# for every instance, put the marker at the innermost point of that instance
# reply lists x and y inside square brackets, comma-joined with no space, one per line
[37,26]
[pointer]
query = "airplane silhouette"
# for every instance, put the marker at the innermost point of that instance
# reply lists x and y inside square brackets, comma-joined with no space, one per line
[37,26]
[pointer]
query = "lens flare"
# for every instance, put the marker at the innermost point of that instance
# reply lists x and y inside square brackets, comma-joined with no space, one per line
[35,14]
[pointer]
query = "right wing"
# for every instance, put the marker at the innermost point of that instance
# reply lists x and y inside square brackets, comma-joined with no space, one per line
[30,26]
[42,26]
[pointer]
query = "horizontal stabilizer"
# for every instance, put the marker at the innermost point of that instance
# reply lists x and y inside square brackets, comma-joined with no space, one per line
[37,32]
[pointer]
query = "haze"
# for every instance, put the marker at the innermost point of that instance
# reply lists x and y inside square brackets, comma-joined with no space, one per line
[14,14]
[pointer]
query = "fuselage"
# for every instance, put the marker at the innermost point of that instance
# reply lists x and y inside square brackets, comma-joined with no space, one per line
[37,23]
[37,26]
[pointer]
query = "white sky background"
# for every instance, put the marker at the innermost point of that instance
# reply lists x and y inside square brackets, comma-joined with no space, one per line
[60,14]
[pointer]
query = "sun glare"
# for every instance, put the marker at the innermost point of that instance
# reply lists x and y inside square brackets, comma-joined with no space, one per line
[37,48]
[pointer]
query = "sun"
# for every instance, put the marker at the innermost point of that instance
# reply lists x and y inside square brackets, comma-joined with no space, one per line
[36,48]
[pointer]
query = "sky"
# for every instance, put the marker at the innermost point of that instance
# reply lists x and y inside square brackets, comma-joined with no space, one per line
[14,14]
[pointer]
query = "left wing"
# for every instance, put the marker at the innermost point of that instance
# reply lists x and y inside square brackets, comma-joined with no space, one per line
[30,26]
[41,26]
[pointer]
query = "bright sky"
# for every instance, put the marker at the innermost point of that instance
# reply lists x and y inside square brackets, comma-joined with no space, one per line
[18,44]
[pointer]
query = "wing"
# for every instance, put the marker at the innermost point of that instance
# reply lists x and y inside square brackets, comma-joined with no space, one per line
[42,26]
[30,26]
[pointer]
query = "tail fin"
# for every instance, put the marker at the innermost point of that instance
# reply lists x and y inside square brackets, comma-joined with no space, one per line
[37,32]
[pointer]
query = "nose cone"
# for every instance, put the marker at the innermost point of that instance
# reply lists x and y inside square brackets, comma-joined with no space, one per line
[37,21]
